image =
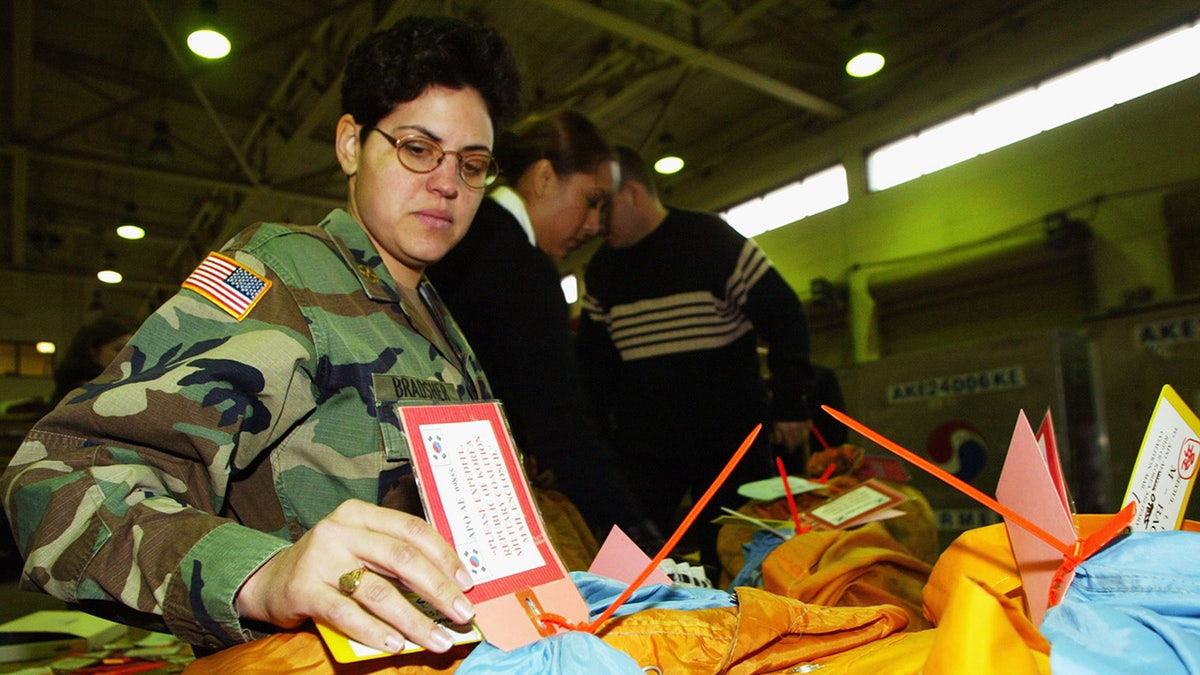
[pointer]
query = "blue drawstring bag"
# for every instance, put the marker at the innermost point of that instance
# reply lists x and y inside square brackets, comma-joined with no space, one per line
[572,652]
[1134,607]
[754,552]
[580,652]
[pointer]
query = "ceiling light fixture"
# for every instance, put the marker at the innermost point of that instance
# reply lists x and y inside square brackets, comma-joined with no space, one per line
[206,40]
[128,226]
[108,274]
[160,151]
[865,64]
[669,162]
[867,61]
[130,231]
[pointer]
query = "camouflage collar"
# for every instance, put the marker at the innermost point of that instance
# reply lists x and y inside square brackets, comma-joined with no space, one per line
[361,256]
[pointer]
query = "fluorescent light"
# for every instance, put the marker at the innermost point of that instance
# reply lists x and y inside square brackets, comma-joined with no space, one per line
[130,231]
[109,276]
[668,165]
[45,347]
[814,193]
[865,64]
[1156,63]
[208,43]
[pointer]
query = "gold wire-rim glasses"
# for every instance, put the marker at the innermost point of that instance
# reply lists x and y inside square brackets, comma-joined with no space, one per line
[421,154]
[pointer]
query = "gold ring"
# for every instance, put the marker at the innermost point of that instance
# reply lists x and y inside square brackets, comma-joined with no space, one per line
[348,582]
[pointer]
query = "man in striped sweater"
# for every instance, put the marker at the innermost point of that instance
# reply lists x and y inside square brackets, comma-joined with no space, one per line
[676,305]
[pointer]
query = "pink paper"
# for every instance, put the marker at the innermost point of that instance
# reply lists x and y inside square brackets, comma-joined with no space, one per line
[621,559]
[507,624]
[1027,486]
[1045,436]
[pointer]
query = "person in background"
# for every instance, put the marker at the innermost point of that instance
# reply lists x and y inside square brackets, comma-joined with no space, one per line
[240,468]
[827,390]
[826,431]
[92,348]
[675,304]
[503,288]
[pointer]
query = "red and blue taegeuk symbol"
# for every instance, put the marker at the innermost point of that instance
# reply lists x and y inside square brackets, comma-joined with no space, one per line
[435,448]
[474,562]
[958,447]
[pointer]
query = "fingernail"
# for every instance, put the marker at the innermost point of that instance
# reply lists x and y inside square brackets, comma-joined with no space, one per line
[463,579]
[393,644]
[464,610]
[441,638]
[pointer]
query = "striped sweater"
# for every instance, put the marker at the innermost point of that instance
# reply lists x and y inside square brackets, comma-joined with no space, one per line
[670,330]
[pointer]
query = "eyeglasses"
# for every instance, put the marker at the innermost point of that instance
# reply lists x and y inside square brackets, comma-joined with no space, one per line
[422,155]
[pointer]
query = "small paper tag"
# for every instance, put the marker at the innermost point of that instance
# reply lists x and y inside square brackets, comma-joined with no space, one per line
[1165,471]
[867,498]
[770,489]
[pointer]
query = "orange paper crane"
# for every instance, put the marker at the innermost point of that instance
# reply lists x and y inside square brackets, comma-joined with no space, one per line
[1073,553]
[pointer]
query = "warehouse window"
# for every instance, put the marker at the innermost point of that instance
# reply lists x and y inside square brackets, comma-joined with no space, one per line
[1122,76]
[22,359]
[815,193]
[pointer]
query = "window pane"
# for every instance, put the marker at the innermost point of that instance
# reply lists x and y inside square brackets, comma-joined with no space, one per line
[32,364]
[8,359]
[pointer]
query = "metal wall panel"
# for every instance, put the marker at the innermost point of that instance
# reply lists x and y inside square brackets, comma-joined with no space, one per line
[958,406]
[1135,355]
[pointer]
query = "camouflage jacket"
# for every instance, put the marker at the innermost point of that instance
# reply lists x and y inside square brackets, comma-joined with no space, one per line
[152,493]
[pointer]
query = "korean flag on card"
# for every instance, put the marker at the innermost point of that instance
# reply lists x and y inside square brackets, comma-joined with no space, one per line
[476,562]
[438,454]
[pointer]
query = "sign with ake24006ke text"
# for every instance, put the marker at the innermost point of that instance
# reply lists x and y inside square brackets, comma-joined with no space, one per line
[963,384]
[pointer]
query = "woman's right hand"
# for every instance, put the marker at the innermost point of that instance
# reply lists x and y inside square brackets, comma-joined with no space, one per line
[301,581]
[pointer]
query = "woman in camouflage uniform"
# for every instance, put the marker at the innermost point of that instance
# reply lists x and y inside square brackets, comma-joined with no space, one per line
[241,456]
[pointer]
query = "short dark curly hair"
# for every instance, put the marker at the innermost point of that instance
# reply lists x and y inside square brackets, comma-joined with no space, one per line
[398,64]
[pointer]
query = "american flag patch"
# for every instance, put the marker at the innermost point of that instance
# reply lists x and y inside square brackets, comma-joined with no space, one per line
[227,283]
